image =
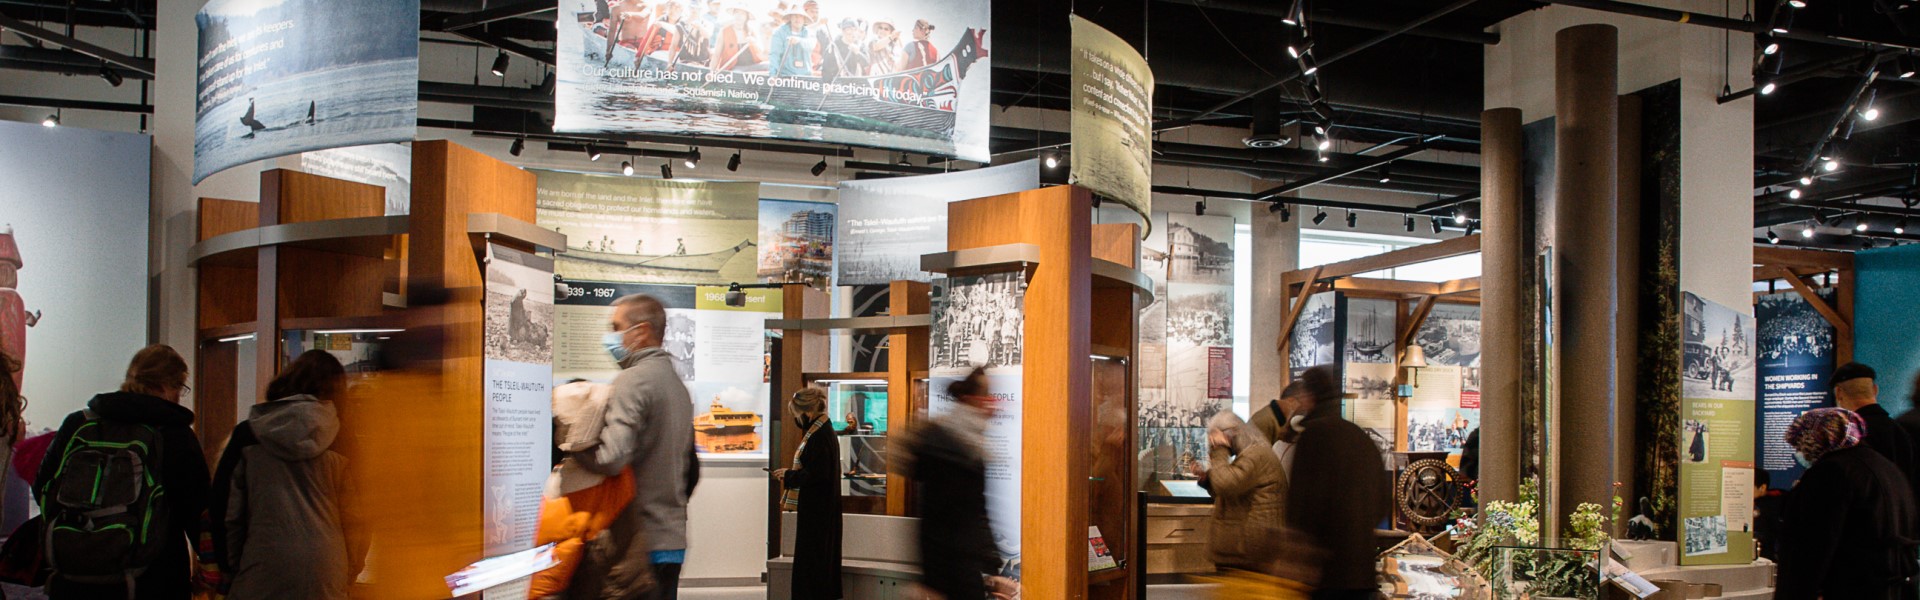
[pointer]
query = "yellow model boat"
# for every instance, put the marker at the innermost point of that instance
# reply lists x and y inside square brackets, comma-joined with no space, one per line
[719,418]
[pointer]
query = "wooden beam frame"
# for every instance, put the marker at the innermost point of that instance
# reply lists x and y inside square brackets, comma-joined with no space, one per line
[1412,323]
[1460,246]
[1791,257]
[1299,304]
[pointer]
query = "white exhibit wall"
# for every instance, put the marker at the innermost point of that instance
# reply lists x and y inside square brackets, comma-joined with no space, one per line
[1716,140]
[82,240]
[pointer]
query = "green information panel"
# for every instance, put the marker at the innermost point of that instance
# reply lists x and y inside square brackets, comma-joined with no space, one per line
[1716,435]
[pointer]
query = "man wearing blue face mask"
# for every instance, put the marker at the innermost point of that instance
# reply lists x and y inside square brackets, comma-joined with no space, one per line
[649,426]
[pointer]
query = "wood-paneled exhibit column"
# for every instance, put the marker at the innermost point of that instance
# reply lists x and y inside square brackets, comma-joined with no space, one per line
[1505,253]
[1585,293]
[1056,374]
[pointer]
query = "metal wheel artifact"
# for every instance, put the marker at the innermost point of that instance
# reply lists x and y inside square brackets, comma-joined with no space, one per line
[1428,493]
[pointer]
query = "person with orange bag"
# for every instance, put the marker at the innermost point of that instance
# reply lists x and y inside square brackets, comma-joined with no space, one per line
[580,506]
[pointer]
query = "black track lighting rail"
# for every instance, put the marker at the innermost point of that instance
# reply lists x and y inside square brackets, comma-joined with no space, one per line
[29,30]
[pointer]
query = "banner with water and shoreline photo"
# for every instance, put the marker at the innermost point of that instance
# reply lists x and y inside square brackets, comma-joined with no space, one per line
[280,77]
[632,230]
[908,75]
[1112,129]
[885,225]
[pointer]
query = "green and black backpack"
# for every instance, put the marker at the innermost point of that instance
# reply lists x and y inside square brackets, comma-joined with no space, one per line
[104,508]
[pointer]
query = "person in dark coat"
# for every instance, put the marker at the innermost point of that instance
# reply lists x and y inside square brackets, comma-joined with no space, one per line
[946,460]
[1854,389]
[288,531]
[813,490]
[1338,491]
[150,395]
[1850,524]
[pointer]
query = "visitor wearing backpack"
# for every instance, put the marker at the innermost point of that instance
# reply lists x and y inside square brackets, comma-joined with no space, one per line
[288,532]
[121,486]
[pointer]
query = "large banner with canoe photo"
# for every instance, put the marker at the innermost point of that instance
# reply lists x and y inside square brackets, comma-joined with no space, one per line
[908,75]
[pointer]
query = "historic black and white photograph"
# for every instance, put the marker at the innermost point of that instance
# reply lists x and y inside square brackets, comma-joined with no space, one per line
[1315,336]
[1720,354]
[1705,535]
[519,307]
[1200,249]
[1451,335]
[1199,315]
[1370,331]
[1792,332]
[978,321]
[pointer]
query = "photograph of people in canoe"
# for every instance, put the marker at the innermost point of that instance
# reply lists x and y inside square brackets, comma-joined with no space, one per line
[886,74]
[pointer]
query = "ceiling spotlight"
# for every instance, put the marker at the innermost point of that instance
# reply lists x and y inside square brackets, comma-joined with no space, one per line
[1795,193]
[1435,223]
[52,120]
[1901,227]
[1906,65]
[500,65]
[626,167]
[1293,16]
[1353,220]
[1806,232]
[1871,113]
[1323,157]
[666,170]
[1770,47]
[819,167]
[1286,214]
[1323,143]
[1782,21]
[1459,217]
[1472,227]
[1797,3]
[1772,238]
[1862,225]
[593,152]
[1320,217]
[692,160]
[546,85]
[1308,66]
[1806,180]
[1409,223]
[1866,244]
[903,160]
[1386,174]
[519,145]
[113,77]
[1768,88]
[1831,165]
[733,164]
[1200,208]
[1052,160]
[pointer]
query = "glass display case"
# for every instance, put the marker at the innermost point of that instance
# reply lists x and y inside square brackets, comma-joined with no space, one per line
[859,412]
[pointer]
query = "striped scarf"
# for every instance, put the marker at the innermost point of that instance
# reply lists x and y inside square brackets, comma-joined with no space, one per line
[790,498]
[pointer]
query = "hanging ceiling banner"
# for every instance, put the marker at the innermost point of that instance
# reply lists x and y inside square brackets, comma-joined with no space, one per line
[885,225]
[280,77]
[1112,130]
[907,75]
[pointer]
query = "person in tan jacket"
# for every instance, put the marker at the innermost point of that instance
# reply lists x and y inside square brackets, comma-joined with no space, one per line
[1249,496]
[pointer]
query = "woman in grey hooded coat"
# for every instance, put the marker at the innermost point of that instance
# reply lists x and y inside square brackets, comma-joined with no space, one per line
[289,533]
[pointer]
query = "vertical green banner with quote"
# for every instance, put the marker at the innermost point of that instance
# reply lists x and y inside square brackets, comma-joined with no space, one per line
[1716,427]
[1112,130]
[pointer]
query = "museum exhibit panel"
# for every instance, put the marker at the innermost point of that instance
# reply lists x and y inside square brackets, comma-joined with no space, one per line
[1598,296]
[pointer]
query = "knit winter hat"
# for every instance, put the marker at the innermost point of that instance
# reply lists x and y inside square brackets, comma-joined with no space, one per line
[1823,430]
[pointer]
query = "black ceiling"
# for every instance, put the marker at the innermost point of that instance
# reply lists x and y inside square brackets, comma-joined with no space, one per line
[1426,82]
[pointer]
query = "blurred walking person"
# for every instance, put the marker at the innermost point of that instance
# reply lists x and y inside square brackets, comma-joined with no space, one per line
[947,461]
[813,490]
[649,426]
[1849,525]
[1249,506]
[1338,491]
[288,531]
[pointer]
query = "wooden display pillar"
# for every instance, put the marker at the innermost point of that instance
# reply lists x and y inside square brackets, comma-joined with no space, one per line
[1051,231]
[906,372]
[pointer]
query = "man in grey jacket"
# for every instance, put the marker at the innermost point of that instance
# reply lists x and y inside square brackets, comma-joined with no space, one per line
[649,426]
